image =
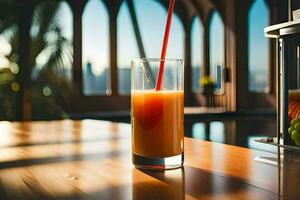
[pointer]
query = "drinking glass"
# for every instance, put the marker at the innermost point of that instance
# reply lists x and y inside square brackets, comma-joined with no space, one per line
[157,119]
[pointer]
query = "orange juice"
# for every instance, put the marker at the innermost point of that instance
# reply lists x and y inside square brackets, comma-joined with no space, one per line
[157,123]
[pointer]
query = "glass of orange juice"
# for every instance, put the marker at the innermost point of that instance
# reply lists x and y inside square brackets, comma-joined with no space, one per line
[157,119]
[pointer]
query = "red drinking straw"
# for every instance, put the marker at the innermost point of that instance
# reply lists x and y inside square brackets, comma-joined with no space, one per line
[165,45]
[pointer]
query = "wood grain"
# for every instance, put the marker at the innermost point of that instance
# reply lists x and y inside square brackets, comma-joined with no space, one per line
[91,159]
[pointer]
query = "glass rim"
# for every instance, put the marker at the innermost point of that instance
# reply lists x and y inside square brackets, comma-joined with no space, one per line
[157,60]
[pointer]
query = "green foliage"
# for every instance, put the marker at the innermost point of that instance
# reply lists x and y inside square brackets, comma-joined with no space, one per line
[208,85]
[50,109]
[206,81]
[47,41]
[7,96]
[294,131]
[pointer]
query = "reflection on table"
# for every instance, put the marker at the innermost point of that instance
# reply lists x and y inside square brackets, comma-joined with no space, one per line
[91,159]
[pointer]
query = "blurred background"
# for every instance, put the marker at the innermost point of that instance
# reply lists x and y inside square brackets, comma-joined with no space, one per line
[71,59]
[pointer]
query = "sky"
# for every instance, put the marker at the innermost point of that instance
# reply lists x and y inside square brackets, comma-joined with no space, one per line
[95,36]
[197,51]
[216,41]
[151,19]
[197,42]
[258,50]
[152,30]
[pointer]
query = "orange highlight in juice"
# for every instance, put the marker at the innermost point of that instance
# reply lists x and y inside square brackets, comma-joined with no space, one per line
[157,123]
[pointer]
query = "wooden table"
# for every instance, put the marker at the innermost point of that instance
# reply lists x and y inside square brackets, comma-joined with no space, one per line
[91,159]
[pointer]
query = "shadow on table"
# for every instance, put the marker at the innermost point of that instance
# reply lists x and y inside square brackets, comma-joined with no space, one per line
[165,185]
[198,183]
[180,184]
[60,159]
[69,141]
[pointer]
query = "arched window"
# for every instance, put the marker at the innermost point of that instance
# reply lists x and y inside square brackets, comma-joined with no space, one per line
[197,53]
[152,27]
[216,49]
[95,48]
[52,28]
[258,49]
[127,48]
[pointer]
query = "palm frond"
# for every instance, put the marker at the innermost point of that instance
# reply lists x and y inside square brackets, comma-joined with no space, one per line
[58,59]
[61,55]
[11,36]
[43,18]
[45,36]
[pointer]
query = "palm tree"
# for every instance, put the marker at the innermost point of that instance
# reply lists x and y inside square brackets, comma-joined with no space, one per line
[48,44]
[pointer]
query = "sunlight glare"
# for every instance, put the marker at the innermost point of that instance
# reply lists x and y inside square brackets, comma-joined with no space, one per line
[5,47]
[5,130]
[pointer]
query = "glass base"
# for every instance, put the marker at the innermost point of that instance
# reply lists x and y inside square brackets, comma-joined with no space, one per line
[172,162]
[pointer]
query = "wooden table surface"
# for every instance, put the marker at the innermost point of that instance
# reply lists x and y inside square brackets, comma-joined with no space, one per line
[91,159]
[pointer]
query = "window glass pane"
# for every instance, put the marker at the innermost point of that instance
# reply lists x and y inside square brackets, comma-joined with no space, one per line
[152,27]
[52,51]
[216,50]
[127,49]
[197,53]
[65,18]
[258,47]
[57,37]
[95,48]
